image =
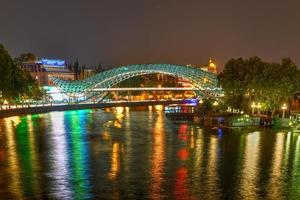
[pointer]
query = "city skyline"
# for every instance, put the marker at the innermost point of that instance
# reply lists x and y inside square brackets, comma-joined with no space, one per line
[115,33]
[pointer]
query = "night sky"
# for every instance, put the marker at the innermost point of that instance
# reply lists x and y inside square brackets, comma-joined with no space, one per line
[119,32]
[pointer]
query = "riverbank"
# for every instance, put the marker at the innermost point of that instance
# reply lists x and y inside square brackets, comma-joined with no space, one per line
[45,109]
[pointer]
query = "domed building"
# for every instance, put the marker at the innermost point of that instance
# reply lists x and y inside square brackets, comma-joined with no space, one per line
[212,67]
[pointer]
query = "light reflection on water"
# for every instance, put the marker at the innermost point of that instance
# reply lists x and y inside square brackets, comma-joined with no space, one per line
[139,154]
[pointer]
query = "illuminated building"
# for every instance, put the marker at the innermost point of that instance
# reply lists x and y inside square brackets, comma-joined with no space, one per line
[43,69]
[211,67]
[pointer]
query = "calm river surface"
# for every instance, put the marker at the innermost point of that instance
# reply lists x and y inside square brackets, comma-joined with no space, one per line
[139,154]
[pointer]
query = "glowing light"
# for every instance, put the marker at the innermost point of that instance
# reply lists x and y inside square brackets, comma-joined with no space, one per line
[52,63]
[215,103]
[258,105]
[159,107]
[119,116]
[284,107]
[193,102]
[183,154]
[119,109]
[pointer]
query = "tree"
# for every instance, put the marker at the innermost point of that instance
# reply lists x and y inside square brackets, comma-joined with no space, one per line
[232,80]
[14,82]
[248,80]
[277,83]
[7,68]
[25,57]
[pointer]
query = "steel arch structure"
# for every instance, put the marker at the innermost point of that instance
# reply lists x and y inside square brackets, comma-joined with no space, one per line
[206,81]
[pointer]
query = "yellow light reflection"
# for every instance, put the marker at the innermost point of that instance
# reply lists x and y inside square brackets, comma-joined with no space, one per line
[119,110]
[198,157]
[128,135]
[12,157]
[287,146]
[119,117]
[117,124]
[296,170]
[159,107]
[115,161]
[199,149]
[297,151]
[105,135]
[33,153]
[249,178]
[212,171]
[192,139]
[275,173]
[158,156]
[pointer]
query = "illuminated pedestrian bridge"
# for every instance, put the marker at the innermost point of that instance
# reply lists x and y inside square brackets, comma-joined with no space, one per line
[206,82]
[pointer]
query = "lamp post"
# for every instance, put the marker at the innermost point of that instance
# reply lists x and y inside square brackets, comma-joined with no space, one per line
[258,106]
[253,106]
[215,103]
[283,107]
[0,100]
[5,103]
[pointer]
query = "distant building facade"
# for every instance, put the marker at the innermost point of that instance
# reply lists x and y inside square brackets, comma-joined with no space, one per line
[210,67]
[42,70]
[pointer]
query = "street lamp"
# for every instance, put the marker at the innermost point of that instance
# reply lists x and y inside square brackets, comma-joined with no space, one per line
[0,100]
[5,103]
[283,107]
[215,103]
[258,106]
[253,106]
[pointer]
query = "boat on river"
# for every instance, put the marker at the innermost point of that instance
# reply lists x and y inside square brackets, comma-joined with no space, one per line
[182,112]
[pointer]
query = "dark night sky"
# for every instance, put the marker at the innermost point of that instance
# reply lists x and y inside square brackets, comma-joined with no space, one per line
[116,32]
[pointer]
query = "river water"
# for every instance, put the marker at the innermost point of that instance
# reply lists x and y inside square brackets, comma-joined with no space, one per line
[137,153]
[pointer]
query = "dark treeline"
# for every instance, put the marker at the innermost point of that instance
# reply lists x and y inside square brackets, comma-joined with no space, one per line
[245,81]
[15,84]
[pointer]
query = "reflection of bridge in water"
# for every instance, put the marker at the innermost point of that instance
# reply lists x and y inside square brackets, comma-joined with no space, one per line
[205,83]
